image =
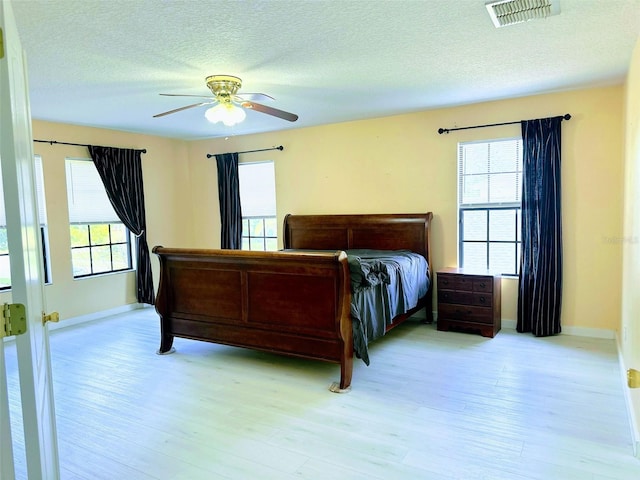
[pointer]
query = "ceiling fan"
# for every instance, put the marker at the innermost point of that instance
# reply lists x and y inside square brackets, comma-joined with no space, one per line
[228,101]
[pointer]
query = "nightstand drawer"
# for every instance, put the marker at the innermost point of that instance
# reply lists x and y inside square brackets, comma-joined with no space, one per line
[466,298]
[483,284]
[446,281]
[482,299]
[455,296]
[467,313]
[455,282]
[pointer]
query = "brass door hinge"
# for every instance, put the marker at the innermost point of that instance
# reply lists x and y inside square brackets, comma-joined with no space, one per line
[633,378]
[13,320]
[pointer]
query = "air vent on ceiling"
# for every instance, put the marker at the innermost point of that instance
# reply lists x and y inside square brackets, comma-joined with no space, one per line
[509,12]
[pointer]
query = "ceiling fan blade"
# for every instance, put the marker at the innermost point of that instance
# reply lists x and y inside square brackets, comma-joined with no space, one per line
[181,95]
[182,108]
[292,117]
[247,97]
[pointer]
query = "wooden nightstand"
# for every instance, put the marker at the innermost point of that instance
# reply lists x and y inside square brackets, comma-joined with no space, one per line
[468,301]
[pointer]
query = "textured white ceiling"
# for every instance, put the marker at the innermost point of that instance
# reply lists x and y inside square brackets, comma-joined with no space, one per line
[103,62]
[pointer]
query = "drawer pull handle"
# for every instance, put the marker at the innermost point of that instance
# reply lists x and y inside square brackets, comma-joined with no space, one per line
[483,300]
[482,285]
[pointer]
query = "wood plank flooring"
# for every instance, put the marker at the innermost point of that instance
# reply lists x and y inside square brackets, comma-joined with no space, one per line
[432,405]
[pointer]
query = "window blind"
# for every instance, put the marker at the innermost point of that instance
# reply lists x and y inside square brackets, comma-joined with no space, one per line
[490,173]
[40,199]
[257,189]
[87,198]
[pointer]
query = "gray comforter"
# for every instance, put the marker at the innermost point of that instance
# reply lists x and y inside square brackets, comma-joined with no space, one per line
[384,284]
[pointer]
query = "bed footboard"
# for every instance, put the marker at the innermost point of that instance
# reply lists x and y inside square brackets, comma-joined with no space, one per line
[296,304]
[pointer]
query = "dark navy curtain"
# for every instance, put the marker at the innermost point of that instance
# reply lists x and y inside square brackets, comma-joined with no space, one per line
[540,285]
[121,172]
[229,196]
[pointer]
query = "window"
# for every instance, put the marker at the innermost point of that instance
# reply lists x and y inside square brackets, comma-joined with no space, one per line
[100,243]
[489,190]
[5,270]
[258,202]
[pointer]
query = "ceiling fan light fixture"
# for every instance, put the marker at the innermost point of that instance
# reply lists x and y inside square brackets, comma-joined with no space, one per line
[229,106]
[227,113]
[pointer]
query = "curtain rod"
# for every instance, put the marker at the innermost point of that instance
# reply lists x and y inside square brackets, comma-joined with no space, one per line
[447,130]
[209,155]
[51,142]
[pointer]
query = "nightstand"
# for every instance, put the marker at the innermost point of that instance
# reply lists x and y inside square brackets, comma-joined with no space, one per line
[469,301]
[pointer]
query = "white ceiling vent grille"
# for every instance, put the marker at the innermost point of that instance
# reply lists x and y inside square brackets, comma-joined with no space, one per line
[509,12]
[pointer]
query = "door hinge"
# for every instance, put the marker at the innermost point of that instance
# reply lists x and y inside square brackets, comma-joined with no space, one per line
[13,320]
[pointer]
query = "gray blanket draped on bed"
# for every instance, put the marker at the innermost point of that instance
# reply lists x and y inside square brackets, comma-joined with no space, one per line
[384,284]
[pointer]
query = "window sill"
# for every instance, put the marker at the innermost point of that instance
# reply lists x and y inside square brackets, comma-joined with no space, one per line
[105,274]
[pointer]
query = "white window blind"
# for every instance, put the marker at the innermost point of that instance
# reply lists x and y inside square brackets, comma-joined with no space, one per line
[490,173]
[87,198]
[42,209]
[257,189]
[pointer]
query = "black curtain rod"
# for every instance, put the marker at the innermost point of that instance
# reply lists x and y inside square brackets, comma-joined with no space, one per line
[447,130]
[51,142]
[209,155]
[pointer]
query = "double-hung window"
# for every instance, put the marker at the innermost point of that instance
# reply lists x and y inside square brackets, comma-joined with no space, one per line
[489,204]
[5,271]
[258,202]
[100,243]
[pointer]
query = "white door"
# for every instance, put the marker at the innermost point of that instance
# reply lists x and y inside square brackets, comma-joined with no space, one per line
[25,253]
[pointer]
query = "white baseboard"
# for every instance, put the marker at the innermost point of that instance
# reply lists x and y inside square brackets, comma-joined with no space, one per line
[590,332]
[69,322]
[576,331]
[507,323]
[511,324]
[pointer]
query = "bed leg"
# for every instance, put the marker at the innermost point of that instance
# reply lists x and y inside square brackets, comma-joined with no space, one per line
[166,341]
[346,372]
[429,307]
[166,345]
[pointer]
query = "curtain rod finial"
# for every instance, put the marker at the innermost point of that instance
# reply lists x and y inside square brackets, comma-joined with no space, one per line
[567,116]
[443,130]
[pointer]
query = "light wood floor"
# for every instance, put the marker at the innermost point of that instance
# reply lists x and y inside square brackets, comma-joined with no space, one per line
[431,405]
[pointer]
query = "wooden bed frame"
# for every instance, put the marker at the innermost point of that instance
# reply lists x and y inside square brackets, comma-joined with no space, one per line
[294,303]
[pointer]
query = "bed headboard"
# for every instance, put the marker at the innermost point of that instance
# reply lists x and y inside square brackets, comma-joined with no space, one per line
[404,231]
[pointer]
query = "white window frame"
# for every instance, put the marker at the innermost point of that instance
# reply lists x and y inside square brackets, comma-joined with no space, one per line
[492,208]
[258,203]
[42,220]
[90,208]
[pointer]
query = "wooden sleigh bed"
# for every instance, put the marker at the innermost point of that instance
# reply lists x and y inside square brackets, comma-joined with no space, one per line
[297,301]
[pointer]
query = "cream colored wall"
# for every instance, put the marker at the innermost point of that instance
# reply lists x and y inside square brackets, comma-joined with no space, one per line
[630,325]
[401,164]
[384,165]
[166,180]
